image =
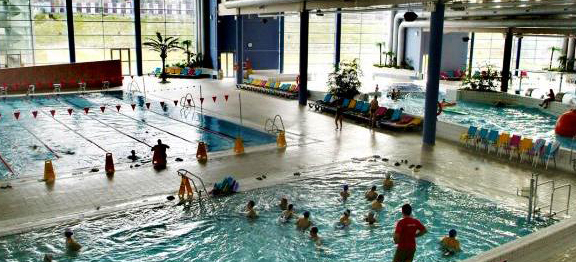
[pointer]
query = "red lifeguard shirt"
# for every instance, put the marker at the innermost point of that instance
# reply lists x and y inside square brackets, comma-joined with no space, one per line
[407,228]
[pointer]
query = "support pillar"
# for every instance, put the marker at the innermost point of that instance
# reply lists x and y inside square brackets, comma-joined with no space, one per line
[239,51]
[138,37]
[390,44]
[401,45]
[396,25]
[471,54]
[518,52]
[506,61]
[303,91]
[281,45]
[70,25]
[570,54]
[337,38]
[433,77]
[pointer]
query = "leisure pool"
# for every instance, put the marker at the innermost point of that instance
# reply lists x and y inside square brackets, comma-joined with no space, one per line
[217,231]
[78,142]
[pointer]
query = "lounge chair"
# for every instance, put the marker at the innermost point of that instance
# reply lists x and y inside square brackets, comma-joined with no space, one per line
[406,122]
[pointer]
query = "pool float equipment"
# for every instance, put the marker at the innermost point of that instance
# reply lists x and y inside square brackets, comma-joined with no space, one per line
[566,124]
[109,166]
[49,175]
[281,140]
[448,104]
[454,110]
[185,192]
[202,154]
[226,187]
[239,146]
[158,161]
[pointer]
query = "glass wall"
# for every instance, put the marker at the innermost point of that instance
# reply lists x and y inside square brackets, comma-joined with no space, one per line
[50,32]
[537,51]
[15,33]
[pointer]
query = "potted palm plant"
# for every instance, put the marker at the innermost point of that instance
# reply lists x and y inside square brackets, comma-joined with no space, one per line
[344,82]
[186,47]
[163,45]
[553,49]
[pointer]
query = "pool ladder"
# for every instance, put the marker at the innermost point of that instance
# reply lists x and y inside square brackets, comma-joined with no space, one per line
[192,178]
[271,127]
[534,207]
[133,86]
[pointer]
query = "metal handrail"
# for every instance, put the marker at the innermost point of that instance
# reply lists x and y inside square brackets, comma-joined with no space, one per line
[569,186]
[190,176]
[273,127]
[572,159]
[551,195]
[184,100]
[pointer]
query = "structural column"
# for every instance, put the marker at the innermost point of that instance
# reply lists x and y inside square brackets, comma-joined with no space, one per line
[391,35]
[506,61]
[471,54]
[303,92]
[518,53]
[70,25]
[570,54]
[138,37]
[433,77]
[239,51]
[281,45]
[337,38]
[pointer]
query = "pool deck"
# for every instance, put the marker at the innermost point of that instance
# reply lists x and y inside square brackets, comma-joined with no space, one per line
[312,142]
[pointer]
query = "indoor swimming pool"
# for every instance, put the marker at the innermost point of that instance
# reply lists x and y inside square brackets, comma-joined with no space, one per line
[216,230]
[77,142]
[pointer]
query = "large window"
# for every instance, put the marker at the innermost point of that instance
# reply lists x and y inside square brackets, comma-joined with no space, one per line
[537,50]
[50,32]
[16,47]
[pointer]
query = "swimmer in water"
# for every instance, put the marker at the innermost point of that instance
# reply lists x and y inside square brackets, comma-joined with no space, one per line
[345,193]
[250,213]
[450,244]
[283,203]
[345,219]
[371,194]
[288,213]
[377,204]
[370,218]
[314,235]
[71,244]
[133,156]
[304,221]
[47,258]
[388,183]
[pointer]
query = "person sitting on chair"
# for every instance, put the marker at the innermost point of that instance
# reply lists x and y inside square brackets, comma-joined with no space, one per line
[551,98]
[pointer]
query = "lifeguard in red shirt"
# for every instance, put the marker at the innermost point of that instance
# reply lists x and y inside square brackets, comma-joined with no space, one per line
[407,230]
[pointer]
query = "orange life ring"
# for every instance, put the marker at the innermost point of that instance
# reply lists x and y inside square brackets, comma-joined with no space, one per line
[439,109]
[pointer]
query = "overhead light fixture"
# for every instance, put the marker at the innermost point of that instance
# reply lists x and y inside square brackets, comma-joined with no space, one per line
[319,13]
[410,16]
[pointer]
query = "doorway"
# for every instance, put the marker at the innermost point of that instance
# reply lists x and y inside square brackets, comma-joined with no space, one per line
[227,64]
[122,54]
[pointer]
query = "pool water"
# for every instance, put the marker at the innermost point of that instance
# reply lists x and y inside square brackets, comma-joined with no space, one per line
[524,121]
[217,231]
[79,141]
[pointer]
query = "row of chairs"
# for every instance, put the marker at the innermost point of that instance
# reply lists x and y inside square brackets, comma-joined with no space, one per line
[272,88]
[55,87]
[186,71]
[525,149]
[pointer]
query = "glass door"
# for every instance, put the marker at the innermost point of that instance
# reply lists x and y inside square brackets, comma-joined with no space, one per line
[227,64]
[122,54]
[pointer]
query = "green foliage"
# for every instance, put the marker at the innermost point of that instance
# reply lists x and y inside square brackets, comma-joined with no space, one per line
[163,46]
[344,82]
[487,79]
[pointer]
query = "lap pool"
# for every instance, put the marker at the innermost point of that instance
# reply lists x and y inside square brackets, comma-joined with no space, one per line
[78,142]
[217,231]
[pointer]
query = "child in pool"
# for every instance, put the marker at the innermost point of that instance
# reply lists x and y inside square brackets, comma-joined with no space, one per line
[314,235]
[345,219]
[450,244]
[288,213]
[388,183]
[304,221]
[250,213]
[370,218]
[283,203]
[378,203]
[371,194]
[344,194]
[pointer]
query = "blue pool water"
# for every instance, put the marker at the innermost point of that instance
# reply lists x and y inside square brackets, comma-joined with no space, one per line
[217,230]
[78,142]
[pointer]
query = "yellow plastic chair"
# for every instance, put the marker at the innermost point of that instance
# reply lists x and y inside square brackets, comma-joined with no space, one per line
[503,141]
[352,104]
[525,146]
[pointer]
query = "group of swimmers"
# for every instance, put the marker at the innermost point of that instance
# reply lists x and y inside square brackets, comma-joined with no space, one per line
[405,234]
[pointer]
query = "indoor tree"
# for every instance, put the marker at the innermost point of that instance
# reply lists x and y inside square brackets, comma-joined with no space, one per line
[380,45]
[163,45]
[344,82]
[186,46]
[553,49]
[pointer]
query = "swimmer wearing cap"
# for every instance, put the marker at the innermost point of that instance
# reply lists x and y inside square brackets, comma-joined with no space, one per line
[371,194]
[378,203]
[388,183]
[304,221]
[344,193]
[370,218]
[71,244]
[345,218]
[450,244]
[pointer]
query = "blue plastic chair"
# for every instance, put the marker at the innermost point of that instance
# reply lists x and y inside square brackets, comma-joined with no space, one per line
[481,137]
[346,103]
[365,108]
[537,151]
[358,106]
[396,115]
[469,136]
[491,140]
[327,98]
[551,152]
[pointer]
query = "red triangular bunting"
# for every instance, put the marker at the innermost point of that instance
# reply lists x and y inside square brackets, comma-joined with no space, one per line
[52,112]
[201,100]
[102,108]
[86,109]
[148,105]
[226,97]
[189,101]
[35,113]
[175,102]
[17,115]
[214,99]
[133,107]
[162,104]
[70,111]
[118,107]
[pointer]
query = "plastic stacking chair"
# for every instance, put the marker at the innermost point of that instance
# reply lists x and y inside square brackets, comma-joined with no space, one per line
[4,90]
[352,104]
[525,147]
[513,145]
[105,85]
[503,142]
[549,152]
[31,89]
[57,87]
[82,86]
[481,137]
[491,140]
[345,103]
[536,149]
[468,136]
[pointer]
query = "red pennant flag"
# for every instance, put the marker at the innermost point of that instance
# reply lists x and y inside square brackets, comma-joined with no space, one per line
[133,107]
[70,111]
[86,109]
[201,100]
[52,112]
[118,107]
[162,104]
[189,101]
[214,99]
[17,115]
[102,108]
[35,113]
[226,97]
[175,102]
[148,105]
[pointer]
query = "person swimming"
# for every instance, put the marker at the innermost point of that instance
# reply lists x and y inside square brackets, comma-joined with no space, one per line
[314,235]
[377,204]
[133,156]
[47,258]
[71,244]
[250,213]
[370,218]
[304,221]
[289,212]
[344,194]
[371,194]
[283,203]
[345,218]
[388,182]
[450,244]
